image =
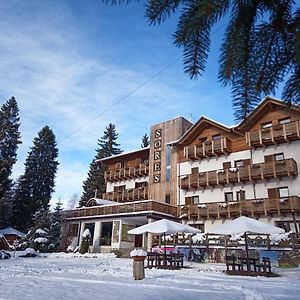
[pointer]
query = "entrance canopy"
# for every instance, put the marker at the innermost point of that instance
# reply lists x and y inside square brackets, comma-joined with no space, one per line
[244,225]
[164,226]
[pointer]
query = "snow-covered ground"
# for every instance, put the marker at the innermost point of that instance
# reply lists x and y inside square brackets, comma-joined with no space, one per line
[68,276]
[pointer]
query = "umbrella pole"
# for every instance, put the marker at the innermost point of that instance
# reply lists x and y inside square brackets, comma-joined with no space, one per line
[247,252]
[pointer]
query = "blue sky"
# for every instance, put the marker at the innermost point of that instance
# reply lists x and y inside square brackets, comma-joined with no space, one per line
[68,61]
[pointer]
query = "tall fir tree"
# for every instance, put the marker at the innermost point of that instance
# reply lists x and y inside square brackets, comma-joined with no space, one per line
[9,141]
[145,141]
[108,146]
[37,184]
[55,226]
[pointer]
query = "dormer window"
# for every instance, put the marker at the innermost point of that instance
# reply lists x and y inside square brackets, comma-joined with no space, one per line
[284,121]
[266,125]
[216,137]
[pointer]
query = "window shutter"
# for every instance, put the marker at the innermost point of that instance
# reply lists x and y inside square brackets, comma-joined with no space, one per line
[247,162]
[269,158]
[188,200]
[195,171]
[273,193]
[242,195]
[227,165]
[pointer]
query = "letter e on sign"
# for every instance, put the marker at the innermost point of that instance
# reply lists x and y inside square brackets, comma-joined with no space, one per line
[157,166]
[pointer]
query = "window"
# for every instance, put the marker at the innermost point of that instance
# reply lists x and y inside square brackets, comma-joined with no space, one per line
[284,121]
[284,225]
[168,163]
[195,199]
[229,196]
[141,184]
[240,195]
[198,226]
[283,192]
[168,199]
[91,228]
[106,232]
[278,156]
[266,125]
[216,137]
[239,163]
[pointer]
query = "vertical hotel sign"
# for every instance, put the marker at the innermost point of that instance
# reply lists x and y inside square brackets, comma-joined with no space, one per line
[157,155]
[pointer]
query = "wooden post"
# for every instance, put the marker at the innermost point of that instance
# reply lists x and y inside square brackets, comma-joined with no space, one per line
[138,267]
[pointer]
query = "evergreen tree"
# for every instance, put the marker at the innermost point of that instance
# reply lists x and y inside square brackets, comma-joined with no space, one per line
[55,226]
[37,184]
[145,141]
[9,141]
[7,204]
[95,180]
[260,49]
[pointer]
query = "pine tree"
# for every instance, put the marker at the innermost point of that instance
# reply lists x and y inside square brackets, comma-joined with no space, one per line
[260,48]
[55,226]
[145,141]
[9,141]
[37,184]
[95,181]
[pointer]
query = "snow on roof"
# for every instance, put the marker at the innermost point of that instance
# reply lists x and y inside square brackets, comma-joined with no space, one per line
[123,153]
[12,231]
[103,201]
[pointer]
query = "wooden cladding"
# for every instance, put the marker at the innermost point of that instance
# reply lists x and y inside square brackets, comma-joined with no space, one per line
[253,207]
[124,208]
[277,134]
[254,172]
[216,147]
[127,173]
[123,195]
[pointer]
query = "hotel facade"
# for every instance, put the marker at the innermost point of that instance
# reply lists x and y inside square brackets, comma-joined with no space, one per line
[203,174]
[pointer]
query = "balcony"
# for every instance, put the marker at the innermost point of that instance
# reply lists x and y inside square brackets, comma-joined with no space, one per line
[127,195]
[253,173]
[208,149]
[127,173]
[124,208]
[257,207]
[278,134]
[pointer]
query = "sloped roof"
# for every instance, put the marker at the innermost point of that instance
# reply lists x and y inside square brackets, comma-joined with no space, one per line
[11,231]
[201,124]
[267,104]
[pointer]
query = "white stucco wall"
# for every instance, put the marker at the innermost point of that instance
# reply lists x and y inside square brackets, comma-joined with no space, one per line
[130,184]
[216,194]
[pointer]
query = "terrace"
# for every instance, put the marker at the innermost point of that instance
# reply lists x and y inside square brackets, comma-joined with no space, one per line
[140,193]
[253,207]
[121,209]
[217,147]
[254,172]
[136,171]
[277,134]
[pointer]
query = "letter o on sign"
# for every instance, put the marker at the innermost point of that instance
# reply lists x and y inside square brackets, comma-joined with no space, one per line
[157,144]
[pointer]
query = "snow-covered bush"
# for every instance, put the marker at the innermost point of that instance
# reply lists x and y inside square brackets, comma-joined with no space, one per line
[4,255]
[85,243]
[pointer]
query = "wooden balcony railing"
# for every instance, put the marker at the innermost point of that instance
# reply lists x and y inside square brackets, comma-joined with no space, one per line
[208,148]
[254,172]
[278,134]
[122,208]
[252,207]
[127,195]
[127,173]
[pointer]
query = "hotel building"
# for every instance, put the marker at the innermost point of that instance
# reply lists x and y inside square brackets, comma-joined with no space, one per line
[202,174]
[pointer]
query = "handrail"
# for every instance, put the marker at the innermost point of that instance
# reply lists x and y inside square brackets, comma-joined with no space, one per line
[254,172]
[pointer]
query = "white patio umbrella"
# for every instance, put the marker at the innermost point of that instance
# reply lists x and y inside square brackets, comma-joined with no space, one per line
[164,227]
[244,226]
